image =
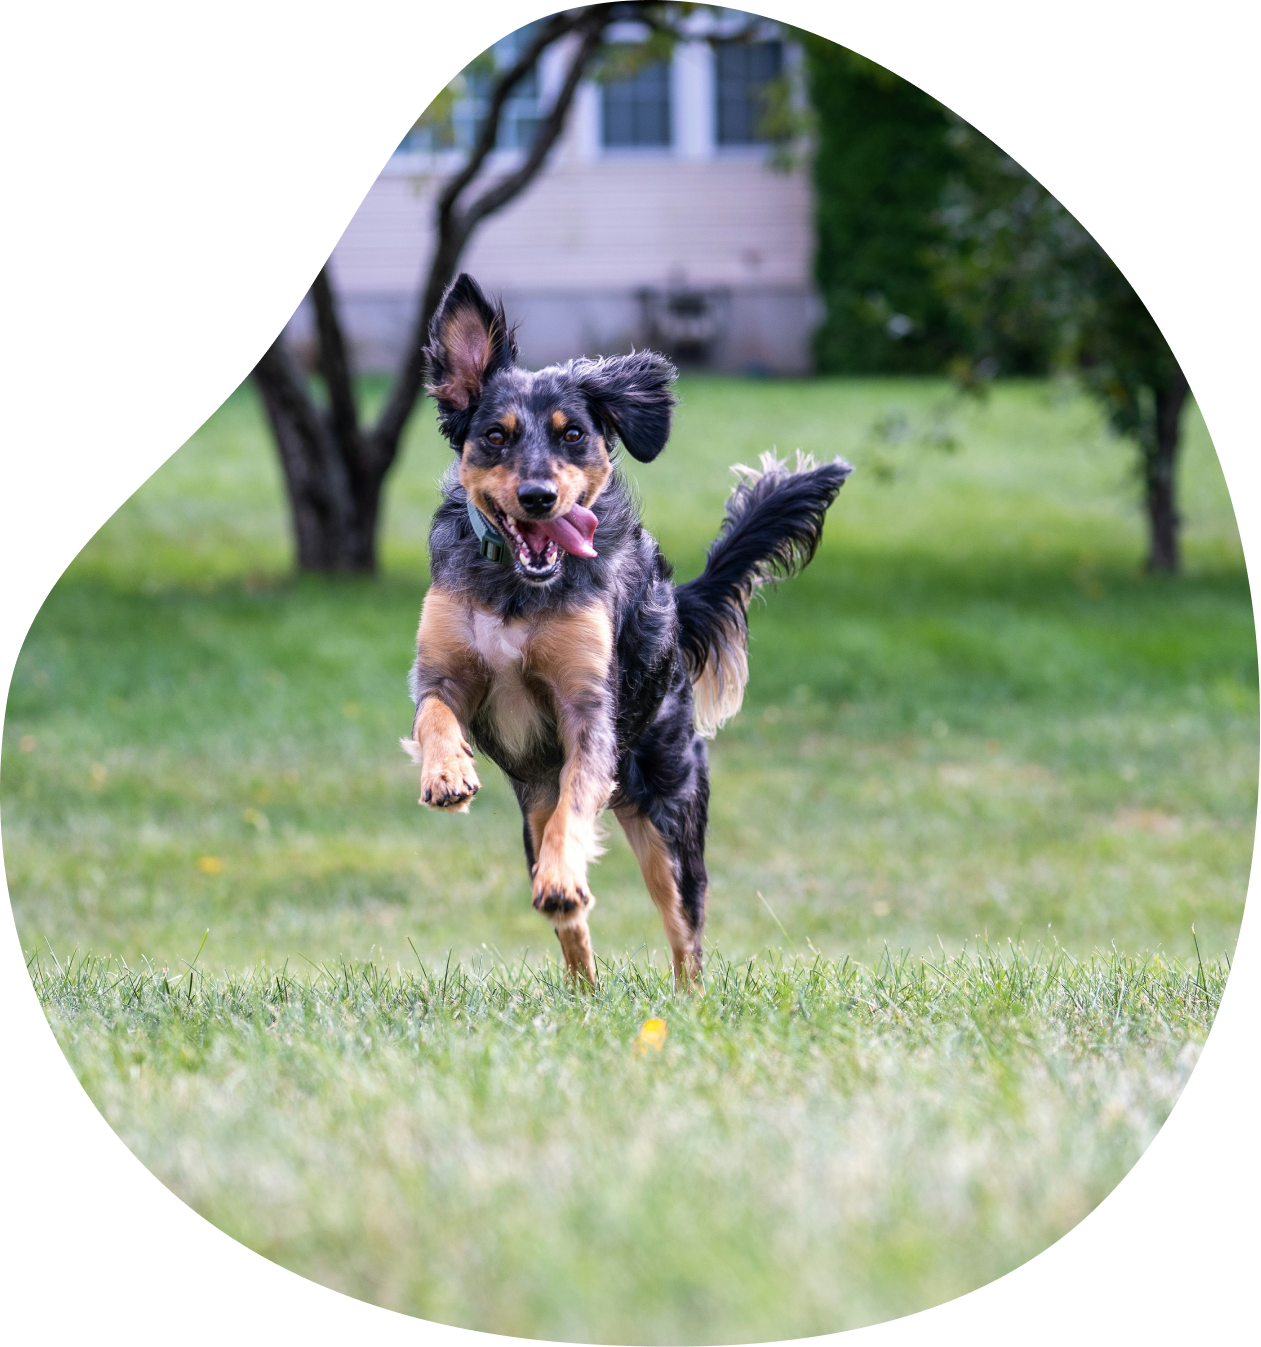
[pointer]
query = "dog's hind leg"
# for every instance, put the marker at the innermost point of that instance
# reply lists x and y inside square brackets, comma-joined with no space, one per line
[538,804]
[673,867]
[575,944]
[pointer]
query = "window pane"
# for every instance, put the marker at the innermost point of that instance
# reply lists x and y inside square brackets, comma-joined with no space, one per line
[524,128]
[745,70]
[462,124]
[637,110]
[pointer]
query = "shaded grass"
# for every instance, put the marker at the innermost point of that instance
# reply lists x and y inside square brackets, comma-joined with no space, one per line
[818,1144]
[971,715]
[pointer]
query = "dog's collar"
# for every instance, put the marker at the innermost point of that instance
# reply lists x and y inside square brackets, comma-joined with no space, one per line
[490,542]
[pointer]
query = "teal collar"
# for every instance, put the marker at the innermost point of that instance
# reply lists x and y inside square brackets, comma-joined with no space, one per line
[490,541]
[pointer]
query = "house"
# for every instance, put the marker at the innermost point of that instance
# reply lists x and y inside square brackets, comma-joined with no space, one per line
[659,219]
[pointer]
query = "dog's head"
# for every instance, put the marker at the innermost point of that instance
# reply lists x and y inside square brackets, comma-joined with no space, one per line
[534,447]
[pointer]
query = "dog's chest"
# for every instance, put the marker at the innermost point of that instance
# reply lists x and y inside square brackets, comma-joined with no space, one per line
[512,709]
[500,645]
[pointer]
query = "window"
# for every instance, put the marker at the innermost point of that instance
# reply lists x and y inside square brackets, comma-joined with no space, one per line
[636,110]
[745,73]
[519,123]
[456,118]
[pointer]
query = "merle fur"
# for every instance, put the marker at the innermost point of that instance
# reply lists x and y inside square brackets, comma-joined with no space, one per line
[771,529]
[663,634]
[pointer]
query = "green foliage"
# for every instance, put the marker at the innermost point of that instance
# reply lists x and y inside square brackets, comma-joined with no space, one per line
[435,128]
[882,160]
[1009,263]
[1033,290]
[922,216]
[624,60]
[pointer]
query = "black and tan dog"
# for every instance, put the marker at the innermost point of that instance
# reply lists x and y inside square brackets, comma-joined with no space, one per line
[552,637]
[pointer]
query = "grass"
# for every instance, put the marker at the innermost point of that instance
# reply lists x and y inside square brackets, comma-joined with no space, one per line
[972,721]
[813,1148]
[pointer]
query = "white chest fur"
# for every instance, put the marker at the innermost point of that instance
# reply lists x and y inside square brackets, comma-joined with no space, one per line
[499,644]
[513,710]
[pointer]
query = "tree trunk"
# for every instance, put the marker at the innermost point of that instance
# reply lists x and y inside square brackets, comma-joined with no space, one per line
[333,481]
[314,482]
[1164,555]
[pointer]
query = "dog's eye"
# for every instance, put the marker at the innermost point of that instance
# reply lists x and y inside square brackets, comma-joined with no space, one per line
[572,435]
[495,435]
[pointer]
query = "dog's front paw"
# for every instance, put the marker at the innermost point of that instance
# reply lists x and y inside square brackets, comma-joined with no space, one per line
[561,893]
[450,785]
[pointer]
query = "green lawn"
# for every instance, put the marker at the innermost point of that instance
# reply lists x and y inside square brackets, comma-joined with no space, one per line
[972,717]
[813,1148]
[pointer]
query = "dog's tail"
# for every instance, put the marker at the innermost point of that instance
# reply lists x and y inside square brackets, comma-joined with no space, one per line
[771,529]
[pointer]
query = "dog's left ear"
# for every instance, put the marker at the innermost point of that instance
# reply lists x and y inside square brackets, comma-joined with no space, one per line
[469,342]
[632,399]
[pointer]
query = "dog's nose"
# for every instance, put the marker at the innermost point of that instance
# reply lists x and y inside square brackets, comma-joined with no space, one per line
[537,497]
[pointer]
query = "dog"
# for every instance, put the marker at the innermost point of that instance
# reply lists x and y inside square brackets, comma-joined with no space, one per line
[552,638]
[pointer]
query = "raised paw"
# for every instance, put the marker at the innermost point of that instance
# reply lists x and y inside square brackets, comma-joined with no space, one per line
[450,785]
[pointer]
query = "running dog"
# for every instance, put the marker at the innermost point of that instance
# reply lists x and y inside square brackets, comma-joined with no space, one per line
[552,637]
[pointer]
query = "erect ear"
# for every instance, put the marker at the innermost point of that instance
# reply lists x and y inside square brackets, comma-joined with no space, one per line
[469,341]
[631,397]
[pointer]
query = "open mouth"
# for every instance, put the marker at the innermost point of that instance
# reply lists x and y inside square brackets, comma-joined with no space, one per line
[537,562]
[539,546]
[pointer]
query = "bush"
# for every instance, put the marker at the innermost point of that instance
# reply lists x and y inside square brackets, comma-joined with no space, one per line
[882,162]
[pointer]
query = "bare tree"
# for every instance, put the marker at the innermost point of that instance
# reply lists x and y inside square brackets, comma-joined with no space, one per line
[334,465]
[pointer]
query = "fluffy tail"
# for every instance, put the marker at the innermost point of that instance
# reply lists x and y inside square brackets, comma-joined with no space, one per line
[772,526]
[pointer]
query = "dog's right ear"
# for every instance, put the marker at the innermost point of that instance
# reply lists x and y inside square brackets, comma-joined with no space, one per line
[469,342]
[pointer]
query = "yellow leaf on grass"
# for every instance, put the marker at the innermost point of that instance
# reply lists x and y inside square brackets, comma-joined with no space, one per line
[210,865]
[652,1035]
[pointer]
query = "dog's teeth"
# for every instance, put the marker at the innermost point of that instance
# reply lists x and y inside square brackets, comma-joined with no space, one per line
[534,564]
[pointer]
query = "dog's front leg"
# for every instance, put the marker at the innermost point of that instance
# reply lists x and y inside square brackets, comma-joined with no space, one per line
[573,654]
[448,683]
[448,779]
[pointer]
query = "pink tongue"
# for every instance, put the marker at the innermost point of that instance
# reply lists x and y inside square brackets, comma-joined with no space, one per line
[573,531]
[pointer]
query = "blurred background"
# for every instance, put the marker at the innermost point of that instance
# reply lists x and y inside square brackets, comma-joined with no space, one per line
[1014,697]
[658,218]
[980,836]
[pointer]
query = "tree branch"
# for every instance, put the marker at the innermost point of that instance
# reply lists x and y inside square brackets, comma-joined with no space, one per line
[453,230]
[556,28]
[503,191]
[335,368]
[314,469]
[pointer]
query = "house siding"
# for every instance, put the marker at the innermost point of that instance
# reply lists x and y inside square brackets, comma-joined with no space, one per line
[584,257]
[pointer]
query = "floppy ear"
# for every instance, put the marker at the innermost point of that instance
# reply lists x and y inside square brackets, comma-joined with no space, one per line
[631,397]
[469,341]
